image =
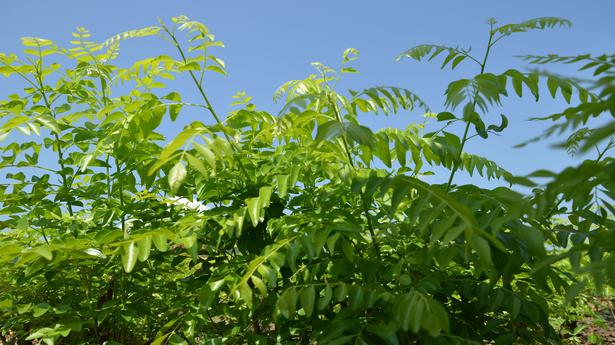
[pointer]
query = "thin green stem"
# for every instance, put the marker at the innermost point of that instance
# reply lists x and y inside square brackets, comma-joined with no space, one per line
[107,170]
[467,128]
[30,166]
[65,182]
[87,286]
[121,190]
[44,235]
[456,166]
[23,76]
[208,105]
[603,152]
[108,173]
[364,203]
[497,40]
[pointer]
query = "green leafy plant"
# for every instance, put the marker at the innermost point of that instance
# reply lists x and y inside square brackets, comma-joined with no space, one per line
[299,227]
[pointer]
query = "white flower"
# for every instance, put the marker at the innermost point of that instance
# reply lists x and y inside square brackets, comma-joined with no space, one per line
[186,204]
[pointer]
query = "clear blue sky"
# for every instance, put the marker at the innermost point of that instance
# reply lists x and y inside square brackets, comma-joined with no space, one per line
[269,42]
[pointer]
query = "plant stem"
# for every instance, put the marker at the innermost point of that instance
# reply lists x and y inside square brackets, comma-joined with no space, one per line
[208,105]
[121,187]
[456,165]
[364,203]
[65,183]
[601,154]
[117,171]
[108,173]
[44,235]
[465,133]
[87,286]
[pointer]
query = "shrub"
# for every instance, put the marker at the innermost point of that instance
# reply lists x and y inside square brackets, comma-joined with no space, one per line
[301,226]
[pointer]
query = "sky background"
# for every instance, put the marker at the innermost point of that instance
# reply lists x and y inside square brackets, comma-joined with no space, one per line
[270,42]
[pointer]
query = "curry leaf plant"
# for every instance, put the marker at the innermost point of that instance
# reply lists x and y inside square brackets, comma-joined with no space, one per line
[298,226]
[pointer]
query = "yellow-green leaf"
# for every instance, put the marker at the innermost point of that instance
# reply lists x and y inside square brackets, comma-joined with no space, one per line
[129,256]
[258,283]
[197,164]
[209,155]
[176,176]
[44,251]
[246,294]
[282,184]
[145,246]
[253,210]
[160,241]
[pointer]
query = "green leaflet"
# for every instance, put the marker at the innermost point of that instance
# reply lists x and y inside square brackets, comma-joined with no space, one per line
[176,176]
[329,130]
[207,154]
[325,299]
[254,210]
[282,184]
[160,241]
[424,50]
[44,251]
[129,254]
[197,164]
[174,108]
[356,298]
[307,299]
[268,273]
[340,292]
[482,248]
[174,145]
[533,24]
[445,116]
[144,246]
[441,228]
[245,293]
[264,197]
[287,303]
[40,309]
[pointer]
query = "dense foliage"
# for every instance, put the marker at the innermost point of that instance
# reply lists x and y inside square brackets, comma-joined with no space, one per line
[298,227]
